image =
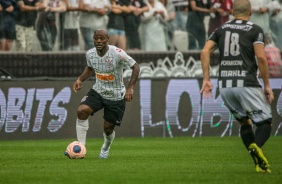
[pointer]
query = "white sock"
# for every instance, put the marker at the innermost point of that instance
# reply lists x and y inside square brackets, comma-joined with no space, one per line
[108,140]
[81,130]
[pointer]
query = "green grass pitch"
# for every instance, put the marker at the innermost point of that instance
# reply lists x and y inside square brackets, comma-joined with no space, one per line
[139,161]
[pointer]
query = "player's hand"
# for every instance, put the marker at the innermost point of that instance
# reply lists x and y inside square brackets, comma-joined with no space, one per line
[207,89]
[129,95]
[268,94]
[77,85]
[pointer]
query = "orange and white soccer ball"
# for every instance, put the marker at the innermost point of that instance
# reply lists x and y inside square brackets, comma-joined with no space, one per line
[76,150]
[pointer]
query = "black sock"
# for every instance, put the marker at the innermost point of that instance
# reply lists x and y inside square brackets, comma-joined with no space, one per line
[247,135]
[262,134]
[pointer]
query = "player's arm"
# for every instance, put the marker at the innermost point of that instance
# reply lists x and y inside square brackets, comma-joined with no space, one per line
[130,87]
[263,69]
[208,49]
[88,72]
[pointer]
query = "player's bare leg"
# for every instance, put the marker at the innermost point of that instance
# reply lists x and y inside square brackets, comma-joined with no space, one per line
[109,135]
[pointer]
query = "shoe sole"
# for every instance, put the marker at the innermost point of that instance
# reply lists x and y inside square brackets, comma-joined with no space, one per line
[103,156]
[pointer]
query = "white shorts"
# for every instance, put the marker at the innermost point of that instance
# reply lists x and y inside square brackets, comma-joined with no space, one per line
[246,102]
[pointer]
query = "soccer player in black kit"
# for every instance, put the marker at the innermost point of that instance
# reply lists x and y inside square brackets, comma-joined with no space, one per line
[241,48]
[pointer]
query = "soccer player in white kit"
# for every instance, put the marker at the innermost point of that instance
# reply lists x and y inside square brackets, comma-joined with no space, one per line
[108,92]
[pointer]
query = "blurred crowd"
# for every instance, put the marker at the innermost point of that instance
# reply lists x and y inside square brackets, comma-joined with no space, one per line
[144,25]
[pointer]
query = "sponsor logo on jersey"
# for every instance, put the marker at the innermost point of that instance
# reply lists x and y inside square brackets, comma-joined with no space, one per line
[235,26]
[118,49]
[105,76]
[231,63]
[107,94]
[233,73]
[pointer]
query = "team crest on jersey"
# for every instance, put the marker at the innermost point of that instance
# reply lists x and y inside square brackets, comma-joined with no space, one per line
[109,63]
[83,99]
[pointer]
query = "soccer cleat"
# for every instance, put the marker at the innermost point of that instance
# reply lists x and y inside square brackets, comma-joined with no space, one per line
[266,171]
[104,153]
[260,170]
[262,165]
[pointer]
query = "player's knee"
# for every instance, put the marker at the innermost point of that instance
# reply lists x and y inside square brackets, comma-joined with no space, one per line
[108,128]
[108,131]
[83,113]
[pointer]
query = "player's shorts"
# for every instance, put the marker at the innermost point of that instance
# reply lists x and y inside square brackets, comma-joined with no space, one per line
[247,102]
[113,110]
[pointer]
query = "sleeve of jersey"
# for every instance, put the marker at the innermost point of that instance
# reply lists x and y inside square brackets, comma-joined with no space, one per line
[258,35]
[87,59]
[128,60]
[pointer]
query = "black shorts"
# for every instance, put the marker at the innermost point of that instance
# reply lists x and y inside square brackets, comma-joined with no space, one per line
[7,28]
[113,110]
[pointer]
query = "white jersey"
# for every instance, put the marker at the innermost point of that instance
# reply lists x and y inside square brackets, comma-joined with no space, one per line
[109,71]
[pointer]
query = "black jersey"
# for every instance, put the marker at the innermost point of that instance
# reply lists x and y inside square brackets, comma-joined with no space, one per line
[238,65]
